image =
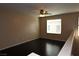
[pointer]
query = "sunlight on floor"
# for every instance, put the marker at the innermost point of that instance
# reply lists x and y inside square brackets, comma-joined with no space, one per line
[52,49]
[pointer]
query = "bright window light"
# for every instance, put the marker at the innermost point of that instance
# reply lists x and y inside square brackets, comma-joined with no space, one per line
[78,26]
[54,26]
[78,30]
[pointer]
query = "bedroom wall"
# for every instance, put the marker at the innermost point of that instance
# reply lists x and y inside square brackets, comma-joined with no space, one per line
[17,27]
[69,21]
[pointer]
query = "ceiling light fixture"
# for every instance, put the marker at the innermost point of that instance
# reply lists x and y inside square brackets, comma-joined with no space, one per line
[44,13]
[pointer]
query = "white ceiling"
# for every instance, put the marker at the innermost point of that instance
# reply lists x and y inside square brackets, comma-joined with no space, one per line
[53,8]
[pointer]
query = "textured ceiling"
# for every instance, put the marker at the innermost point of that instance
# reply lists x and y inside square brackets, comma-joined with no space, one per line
[53,8]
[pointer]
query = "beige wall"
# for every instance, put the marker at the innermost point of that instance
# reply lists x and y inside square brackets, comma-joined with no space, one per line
[69,21]
[17,27]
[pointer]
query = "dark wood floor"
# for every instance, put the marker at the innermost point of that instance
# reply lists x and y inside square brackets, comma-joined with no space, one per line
[42,47]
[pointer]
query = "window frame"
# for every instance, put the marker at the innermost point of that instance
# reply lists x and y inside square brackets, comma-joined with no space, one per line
[54,33]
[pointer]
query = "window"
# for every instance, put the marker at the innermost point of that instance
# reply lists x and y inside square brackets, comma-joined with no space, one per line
[78,26]
[54,26]
[78,30]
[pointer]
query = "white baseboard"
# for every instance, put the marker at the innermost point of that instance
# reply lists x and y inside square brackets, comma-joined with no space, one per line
[15,44]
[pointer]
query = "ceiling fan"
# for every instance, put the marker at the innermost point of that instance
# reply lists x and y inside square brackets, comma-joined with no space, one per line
[44,12]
